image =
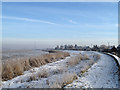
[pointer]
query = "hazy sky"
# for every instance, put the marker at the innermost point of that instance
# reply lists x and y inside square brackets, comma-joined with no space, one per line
[49,24]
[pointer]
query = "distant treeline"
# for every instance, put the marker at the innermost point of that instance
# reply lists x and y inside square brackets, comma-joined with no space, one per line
[101,48]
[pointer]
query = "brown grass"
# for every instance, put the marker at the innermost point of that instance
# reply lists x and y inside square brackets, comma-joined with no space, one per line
[13,68]
[85,57]
[75,60]
[85,69]
[44,73]
[61,81]
[68,78]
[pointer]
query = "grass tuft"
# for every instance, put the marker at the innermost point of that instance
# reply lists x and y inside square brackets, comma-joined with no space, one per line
[75,60]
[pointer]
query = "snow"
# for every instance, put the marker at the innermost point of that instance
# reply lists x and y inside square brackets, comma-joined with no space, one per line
[101,75]
[118,59]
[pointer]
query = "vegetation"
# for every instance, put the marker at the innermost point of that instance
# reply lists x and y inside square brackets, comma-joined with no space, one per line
[16,67]
[61,81]
[75,60]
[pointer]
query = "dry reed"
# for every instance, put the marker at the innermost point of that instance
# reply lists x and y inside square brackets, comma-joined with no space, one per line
[75,60]
[13,68]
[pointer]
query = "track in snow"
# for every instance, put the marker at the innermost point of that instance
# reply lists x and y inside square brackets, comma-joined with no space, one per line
[101,75]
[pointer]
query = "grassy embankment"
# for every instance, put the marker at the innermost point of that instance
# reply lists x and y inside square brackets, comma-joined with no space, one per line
[16,67]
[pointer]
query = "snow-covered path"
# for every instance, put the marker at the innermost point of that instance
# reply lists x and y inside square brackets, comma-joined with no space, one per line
[101,75]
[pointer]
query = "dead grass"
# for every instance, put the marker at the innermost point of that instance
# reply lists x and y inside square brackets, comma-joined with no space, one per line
[85,57]
[85,69]
[44,73]
[13,68]
[61,81]
[75,60]
[59,70]
[68,78]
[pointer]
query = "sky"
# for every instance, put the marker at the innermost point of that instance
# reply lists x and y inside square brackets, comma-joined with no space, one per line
[47,24]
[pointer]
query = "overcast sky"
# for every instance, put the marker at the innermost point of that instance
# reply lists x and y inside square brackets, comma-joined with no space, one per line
[49,24]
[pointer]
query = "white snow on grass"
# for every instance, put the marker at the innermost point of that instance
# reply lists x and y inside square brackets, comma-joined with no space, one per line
[56,74]
[101,75]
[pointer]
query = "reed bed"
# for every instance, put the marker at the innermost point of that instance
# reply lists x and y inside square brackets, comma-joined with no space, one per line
[16,66]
